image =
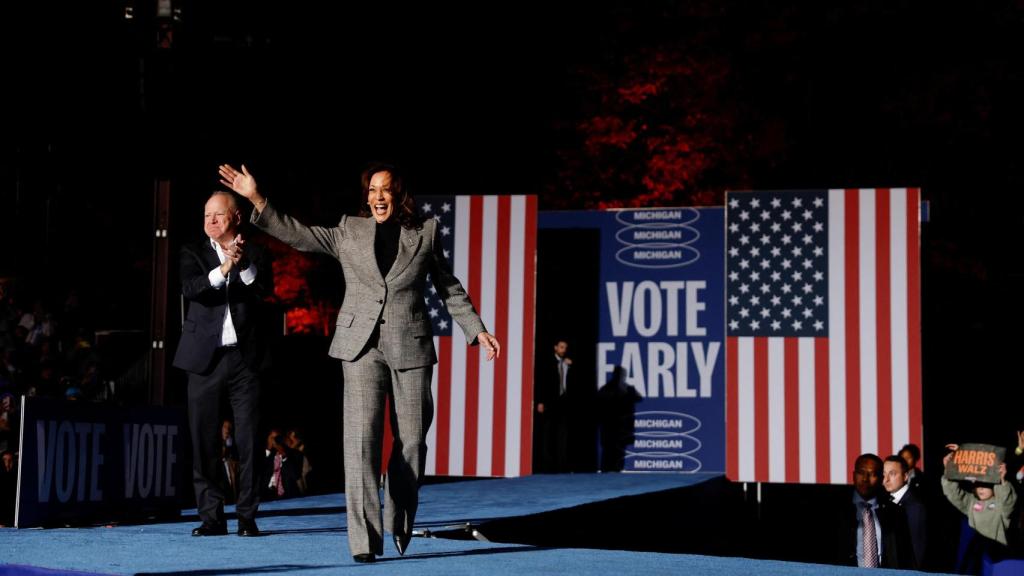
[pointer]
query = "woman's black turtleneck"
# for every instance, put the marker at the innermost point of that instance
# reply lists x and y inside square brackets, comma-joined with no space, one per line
[385,244]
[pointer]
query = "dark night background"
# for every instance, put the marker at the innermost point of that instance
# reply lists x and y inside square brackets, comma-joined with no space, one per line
[589,105]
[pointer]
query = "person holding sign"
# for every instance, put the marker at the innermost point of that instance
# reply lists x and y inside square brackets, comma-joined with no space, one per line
[988,507]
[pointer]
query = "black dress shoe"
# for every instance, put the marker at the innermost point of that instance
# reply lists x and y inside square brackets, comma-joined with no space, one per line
[247,528]
[402,543]
[210,530]
[364,558]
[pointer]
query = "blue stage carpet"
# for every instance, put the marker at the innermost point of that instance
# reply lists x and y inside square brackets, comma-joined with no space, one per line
[307,536]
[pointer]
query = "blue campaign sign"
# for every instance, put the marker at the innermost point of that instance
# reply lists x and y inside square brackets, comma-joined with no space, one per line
[83,463]
[660,352]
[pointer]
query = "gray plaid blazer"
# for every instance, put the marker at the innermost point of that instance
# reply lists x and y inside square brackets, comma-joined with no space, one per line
[395,303]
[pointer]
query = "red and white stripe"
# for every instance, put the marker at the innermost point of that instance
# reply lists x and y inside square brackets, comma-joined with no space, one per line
[483,410]
[802,409]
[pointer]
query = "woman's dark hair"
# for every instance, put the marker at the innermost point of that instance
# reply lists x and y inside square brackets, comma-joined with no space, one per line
[914,451]
[405,206]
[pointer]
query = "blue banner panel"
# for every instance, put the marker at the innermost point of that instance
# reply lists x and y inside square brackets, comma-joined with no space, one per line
[660,356]
[84,463]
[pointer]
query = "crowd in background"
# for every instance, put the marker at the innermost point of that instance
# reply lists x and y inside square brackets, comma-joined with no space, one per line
[285,468]
[47,349]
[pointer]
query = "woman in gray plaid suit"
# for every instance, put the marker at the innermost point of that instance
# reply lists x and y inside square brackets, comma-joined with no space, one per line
[384,340]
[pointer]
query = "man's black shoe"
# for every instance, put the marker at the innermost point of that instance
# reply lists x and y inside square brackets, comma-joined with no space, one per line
[364,558]
[247,528]
[210,530]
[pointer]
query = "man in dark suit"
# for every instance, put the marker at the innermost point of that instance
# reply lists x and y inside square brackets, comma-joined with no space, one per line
[281,468]
[224,282]
[874,529]
[895,477]
[551,397]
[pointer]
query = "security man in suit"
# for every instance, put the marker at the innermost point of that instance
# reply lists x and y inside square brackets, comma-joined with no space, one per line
[896,477]
[552,407]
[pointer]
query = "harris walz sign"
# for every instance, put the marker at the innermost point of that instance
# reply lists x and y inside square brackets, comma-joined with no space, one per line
[976,463]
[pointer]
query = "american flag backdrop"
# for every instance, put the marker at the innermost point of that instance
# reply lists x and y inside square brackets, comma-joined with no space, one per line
[483,411]
[823,329]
